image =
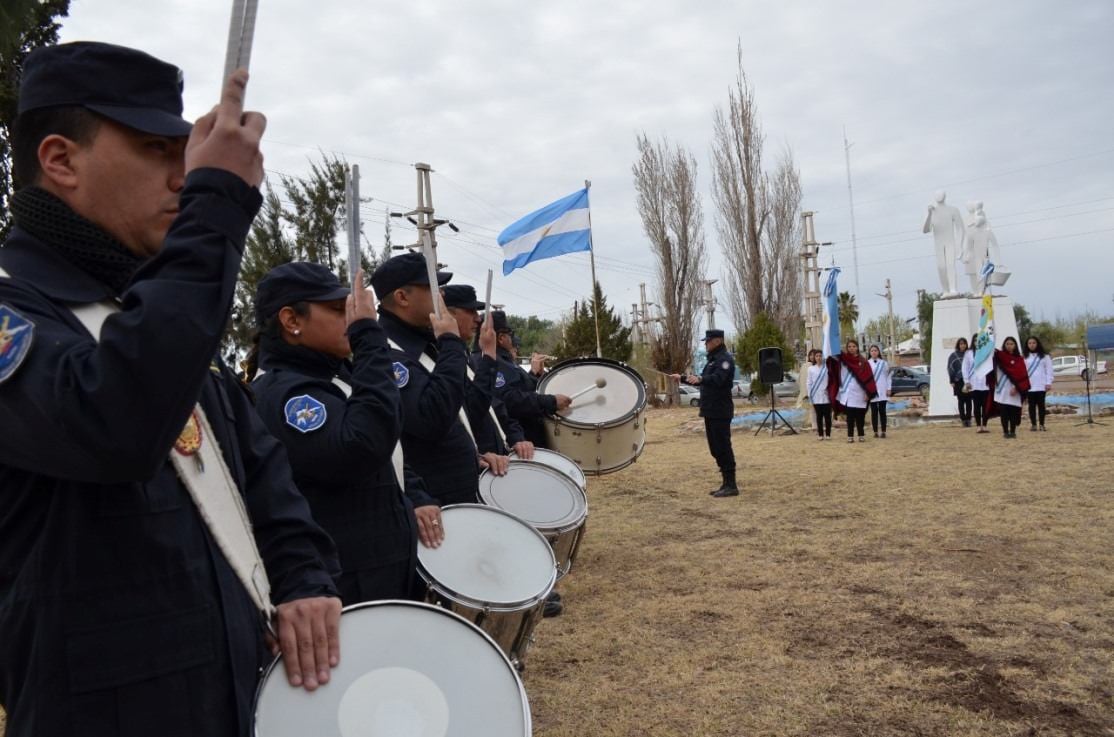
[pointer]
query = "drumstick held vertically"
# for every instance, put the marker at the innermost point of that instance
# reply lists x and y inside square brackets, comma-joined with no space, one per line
[241,31]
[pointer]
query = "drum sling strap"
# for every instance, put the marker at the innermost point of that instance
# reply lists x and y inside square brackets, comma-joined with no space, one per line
[211,487]
[396,455]
[494,417]
[429,364]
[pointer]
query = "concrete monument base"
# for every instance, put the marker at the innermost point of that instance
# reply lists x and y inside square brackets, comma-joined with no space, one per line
[953,319]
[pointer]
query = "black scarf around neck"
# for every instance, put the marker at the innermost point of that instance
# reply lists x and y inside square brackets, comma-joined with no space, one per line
[79,241]
[274,351]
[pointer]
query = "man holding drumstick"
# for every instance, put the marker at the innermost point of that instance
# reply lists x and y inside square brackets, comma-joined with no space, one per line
[123,611]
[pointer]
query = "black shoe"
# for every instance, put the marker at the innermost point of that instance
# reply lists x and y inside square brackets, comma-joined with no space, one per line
[552,609]
[1032,428]
[553,596]
[1042,429]
[883,434]
[726,491]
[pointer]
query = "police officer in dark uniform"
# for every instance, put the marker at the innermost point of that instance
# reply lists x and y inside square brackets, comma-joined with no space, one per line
[517,388]
[435,441]
[340,421]
[717,407]
[118,612]
[480,401]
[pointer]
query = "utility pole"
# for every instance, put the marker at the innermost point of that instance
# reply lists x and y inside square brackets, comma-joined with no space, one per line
[645,313]
[851,201]
[810,272]
[422,217]
[710,302]
[635,326]
[889,295]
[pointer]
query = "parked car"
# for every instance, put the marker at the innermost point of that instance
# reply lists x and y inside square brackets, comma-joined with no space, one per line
[908,380]
[924,368]
[690,395]
[787,387]
[738,389]
[1075,366]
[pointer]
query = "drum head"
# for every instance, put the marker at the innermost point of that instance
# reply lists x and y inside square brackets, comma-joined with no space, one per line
[489,556]
[561,462]
[622,395]
[406,670]
[537,493]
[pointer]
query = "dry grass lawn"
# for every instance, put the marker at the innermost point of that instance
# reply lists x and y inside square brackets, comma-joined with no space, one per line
[934,583]
[937,582]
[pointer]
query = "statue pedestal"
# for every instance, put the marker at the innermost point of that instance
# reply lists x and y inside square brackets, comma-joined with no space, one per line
[953,319]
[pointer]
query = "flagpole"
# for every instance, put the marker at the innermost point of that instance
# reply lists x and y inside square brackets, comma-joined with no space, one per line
[592,258]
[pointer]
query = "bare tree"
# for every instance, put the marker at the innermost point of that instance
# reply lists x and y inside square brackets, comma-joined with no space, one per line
[757,215]
[672,218]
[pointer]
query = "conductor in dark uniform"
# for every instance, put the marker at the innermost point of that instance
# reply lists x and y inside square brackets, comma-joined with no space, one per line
[717,407]
[120,614]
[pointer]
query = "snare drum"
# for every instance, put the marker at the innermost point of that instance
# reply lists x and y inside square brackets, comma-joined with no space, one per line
[406,670]
[494,570]
[604,429]
[561,462]
[546,499]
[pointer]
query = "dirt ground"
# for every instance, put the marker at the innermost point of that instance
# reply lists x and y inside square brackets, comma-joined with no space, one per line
[936,583]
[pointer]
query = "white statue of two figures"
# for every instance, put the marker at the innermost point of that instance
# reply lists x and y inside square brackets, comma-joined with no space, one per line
[973,242]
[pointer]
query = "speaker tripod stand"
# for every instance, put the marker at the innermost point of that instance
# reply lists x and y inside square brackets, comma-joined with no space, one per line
[773,415]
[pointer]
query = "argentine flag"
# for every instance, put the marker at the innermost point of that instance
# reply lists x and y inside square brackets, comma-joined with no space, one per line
[831,314]
[558,228]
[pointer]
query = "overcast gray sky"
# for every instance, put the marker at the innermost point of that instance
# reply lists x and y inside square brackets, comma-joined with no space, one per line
[515,104]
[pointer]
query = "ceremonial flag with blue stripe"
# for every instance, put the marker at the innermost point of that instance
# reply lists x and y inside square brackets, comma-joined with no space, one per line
[558,228]
[831,314]
[984,339]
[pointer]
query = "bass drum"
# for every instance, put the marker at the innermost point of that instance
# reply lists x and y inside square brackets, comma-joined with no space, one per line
[604,429]
[559,461]
[406,670]
[544,498]
[494,570]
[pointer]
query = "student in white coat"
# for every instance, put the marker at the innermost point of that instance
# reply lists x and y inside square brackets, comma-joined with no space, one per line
[856,388]
[1039,365]
[976,386]
[817,379]
[882,379]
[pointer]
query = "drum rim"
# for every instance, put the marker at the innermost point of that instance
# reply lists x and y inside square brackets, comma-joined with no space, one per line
[550,451]
[525,702]
[572,525]
[639,382]
[502,606]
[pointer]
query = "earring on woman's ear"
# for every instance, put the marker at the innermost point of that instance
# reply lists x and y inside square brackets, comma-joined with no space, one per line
[297,332]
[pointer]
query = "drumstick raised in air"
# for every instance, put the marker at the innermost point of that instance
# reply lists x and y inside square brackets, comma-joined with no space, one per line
[600,384]
[241,32]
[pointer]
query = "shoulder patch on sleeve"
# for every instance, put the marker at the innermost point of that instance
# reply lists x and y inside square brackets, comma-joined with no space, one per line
[305,414]
[402,374]
[500,380]
[16,335]
[726,365]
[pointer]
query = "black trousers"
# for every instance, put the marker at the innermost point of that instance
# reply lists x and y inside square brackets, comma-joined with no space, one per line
[1011,418]
[823,419]
[978,399]
[856,418]
[878,415]
[1037,410]
[718,432]
[964,401]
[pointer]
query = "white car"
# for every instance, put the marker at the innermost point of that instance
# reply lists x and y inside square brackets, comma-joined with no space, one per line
[690,395]
[1075,366]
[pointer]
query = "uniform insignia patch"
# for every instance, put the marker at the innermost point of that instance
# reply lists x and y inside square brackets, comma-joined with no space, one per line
[500,380]
[305,414]
[402,374]
[726,365]
[16,334]
[189,441]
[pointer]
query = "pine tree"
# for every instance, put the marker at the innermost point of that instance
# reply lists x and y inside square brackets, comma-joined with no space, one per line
[580,331]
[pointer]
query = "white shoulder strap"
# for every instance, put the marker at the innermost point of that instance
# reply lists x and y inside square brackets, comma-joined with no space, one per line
[429,364]
[212,489]
[494,417]
[397,459]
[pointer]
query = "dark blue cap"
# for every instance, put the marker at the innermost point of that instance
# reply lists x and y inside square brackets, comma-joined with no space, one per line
[709,334]
[297,281]
[127,86]
[463,296]
[499,322]
[402,271]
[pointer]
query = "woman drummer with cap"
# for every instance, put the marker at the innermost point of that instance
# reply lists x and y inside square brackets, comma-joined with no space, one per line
[340,421]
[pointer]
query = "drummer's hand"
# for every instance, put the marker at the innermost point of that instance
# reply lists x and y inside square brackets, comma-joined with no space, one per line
[446,324]
[694,380]
[488,339]
[537,364]
[227,137]
[309,637]
[497,464]
[360,304]
[563,401]
[676,378]
[430,528]
[524,449]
